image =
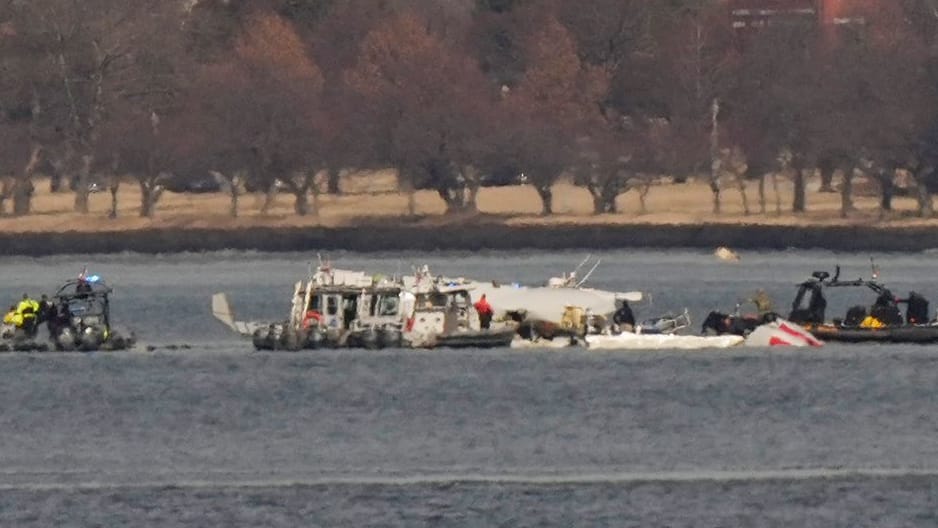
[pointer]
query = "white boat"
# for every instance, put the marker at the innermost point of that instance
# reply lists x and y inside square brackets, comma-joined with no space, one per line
[337,308]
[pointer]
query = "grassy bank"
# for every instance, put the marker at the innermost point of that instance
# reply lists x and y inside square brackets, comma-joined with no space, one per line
[373,201]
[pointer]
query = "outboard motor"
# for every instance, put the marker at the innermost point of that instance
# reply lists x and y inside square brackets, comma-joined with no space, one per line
[262,338]
[65,340]
[91,337]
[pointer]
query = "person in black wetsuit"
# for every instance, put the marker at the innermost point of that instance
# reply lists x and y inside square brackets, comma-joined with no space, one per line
[886,310]
[624,318]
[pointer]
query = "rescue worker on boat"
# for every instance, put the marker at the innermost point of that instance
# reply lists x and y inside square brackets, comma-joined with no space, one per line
[886,310]
[83,288]
[29,310]
[624,319]
[46,310]
[484,309]
[763,303]
[13,317]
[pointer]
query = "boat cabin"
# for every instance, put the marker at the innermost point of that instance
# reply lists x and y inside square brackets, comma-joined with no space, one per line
[84,302]
[810,304]
[340,300]
[445,310]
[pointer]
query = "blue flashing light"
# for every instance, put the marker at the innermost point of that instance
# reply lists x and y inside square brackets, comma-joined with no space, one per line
[93,278]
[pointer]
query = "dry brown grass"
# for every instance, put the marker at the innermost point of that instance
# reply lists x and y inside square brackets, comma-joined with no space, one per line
[688,203]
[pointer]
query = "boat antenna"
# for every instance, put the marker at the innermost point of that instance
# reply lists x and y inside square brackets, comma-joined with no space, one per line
[587,276]
[581,264]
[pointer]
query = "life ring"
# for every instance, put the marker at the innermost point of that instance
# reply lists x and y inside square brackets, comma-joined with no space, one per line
[312,315]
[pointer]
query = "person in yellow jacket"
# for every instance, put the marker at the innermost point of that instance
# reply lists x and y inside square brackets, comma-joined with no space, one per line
[871,322]
[13,317]
[28,309]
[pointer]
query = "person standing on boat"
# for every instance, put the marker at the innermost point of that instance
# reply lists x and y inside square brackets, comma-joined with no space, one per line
[484,309]
[624,319]
[29,310]
[46,310]
[763,302]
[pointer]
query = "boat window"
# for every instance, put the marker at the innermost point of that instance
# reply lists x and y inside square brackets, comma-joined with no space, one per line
[462,299]
[439,299]
[373,305]
[332,305]
[315,303]
[388,306]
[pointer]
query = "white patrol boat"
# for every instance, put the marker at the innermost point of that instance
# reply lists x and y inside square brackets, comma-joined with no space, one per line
[444,316]
[333,308]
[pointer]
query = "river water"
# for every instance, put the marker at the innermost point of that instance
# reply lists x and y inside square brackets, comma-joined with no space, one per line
[201,431]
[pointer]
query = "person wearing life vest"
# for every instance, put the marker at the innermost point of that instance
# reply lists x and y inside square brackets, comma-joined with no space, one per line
[484,309]
[29,309]
[13,317]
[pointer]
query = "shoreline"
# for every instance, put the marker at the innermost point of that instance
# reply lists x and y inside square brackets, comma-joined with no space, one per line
[473,236]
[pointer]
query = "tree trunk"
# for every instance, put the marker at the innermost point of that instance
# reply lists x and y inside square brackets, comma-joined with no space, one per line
[411,202]
[269,198]
[316,200]
[82,192]
[827,176]
[82,199]
[55,181]
[778,194]
[716,165]
[470,191]
[715,189]
[643,191]
[762,194]
[741,187]
[22,197]
[599,206]
[333,182]
[454,199]
[846,193]
[546,193]
[798,201]
[887,191]
[234,188]
[233,207]
[604,202]
[113,213]
[23,187]
[923,194]
[301,202]
[150,192]
[6,191]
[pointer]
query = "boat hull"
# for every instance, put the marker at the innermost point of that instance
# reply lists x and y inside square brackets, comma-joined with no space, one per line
[902,334]
[629,341]
[475,339]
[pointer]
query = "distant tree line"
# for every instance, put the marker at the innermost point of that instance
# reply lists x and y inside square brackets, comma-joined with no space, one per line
[283,95]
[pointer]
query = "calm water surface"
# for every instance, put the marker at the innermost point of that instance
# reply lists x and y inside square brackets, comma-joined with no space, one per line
[217,435]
